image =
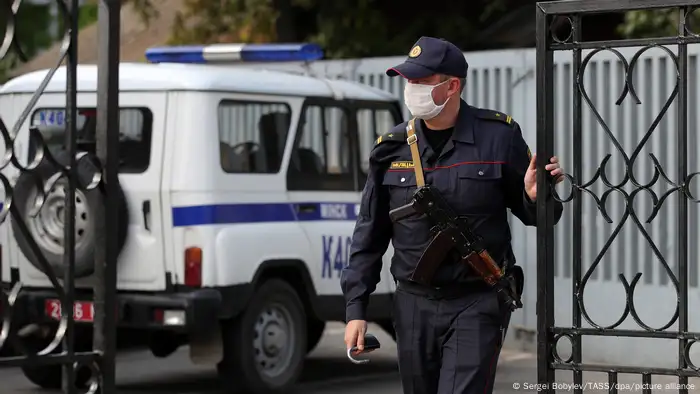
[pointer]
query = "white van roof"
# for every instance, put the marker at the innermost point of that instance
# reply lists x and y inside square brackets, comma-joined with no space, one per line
[196,77]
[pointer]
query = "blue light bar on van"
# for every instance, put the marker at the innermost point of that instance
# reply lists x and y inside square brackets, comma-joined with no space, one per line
[227,53]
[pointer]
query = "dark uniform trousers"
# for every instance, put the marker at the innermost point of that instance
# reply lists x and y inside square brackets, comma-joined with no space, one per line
[448,343]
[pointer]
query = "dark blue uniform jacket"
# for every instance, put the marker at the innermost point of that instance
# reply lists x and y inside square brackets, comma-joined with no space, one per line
[480,173]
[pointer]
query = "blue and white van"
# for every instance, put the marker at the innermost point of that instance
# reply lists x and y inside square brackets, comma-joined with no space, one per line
[240,189]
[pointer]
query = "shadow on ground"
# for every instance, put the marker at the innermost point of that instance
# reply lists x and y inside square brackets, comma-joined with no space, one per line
[317,372]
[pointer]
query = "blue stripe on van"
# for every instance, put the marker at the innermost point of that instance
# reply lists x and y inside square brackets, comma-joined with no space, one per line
[262,213]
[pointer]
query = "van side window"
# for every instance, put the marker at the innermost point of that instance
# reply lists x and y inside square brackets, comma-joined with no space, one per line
[252,136]
[135,125]
[321,159]
[371,123]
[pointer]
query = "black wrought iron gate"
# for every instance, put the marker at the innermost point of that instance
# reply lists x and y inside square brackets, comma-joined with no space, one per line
[548,333]
[16,327]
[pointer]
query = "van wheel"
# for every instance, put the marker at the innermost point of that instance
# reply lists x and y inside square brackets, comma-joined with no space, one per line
[46,228]
[264,348]
[50,377]
[315,329]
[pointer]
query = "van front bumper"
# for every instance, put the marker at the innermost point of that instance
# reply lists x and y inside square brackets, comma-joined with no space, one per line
[195,312]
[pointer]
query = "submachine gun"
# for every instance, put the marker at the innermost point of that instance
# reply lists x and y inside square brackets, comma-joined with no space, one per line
[452,233]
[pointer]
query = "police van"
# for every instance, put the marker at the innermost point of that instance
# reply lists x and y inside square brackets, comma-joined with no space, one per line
[239,191]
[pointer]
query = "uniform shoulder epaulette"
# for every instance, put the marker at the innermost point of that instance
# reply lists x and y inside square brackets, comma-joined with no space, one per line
[392,136]
[490,114]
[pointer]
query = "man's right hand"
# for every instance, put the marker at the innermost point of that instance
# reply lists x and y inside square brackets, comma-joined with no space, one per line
[355,335]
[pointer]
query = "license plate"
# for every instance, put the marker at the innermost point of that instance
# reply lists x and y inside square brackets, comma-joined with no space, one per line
[82,311]
[50,118]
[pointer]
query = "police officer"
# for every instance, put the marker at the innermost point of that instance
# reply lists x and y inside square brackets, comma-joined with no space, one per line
[448,334]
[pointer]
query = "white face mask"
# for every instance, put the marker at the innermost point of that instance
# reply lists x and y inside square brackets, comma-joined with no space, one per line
[419,100]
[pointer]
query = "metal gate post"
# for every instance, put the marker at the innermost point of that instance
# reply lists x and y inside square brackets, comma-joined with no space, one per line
[548,333]
[107,136]
[15,328]
[69,227]
[682,239]
[545,233]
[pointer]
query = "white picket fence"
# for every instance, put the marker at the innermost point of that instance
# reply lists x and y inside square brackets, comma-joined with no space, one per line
[505,80]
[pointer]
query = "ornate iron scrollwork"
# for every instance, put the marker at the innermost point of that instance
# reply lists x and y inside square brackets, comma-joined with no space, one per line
[601,174]
[66,176]
[553,18]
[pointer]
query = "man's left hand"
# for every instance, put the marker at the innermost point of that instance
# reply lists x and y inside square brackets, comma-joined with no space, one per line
[531,175]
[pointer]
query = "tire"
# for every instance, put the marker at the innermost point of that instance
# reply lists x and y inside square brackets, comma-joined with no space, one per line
[50,377]
[47,228]
[275,310]
[315,329]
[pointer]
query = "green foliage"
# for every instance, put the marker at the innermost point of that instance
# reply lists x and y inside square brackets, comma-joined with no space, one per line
[144,8]
[206,22]
[656,23]
[345,28]
[88,14]
[33,32]
[354,31]
[6,65]
[31,38]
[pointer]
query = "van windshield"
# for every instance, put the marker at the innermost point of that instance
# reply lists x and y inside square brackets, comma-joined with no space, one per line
[135,126]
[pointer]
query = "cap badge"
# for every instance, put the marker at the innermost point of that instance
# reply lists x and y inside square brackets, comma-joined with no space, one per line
[415,51]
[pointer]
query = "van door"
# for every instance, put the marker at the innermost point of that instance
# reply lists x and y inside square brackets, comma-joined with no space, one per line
[142,125]
[321,180]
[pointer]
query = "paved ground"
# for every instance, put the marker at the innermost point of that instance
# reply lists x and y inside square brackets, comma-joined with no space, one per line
[327,371]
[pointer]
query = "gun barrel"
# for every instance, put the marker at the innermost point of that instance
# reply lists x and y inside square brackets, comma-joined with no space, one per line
[403,212]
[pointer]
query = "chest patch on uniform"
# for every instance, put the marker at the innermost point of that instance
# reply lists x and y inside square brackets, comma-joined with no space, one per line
[401,164]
